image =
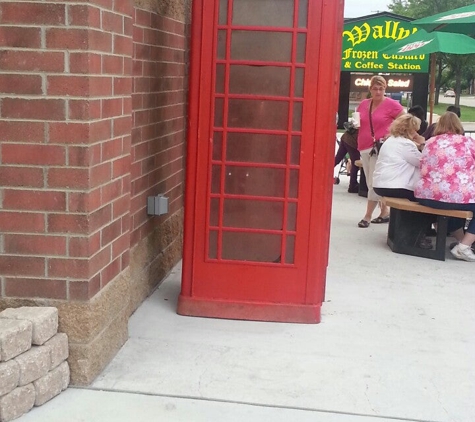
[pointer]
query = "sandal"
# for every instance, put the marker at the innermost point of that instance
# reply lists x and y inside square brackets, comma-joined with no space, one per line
[380,220]
[363,224]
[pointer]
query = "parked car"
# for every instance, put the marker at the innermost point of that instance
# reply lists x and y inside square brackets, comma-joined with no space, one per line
[449,93]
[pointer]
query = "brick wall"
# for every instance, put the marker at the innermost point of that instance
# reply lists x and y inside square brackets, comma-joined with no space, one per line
[158,133]
[92,122]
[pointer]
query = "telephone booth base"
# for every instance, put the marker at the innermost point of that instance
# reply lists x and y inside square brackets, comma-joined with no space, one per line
[254,311]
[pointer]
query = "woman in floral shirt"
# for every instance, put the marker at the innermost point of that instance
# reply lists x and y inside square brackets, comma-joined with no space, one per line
[448,179]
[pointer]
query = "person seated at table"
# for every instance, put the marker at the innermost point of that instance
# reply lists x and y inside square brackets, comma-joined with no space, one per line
[397,169]
[447,179]
[420,113]
[429,133]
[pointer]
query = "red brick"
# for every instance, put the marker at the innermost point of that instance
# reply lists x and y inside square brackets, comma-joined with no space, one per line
[84,290]
[100,260]
[76,86]
[35,288]
[112,65]
[35,245]
[32,61]
[111,232]
[121,206]
[100,130]
[21,266]
[79,156]
[100,174]
[68,268]
[34,200]
[110,272]
[88,63]
[125,7]
[111,107]
[40,155]
[122,86]
[100,41]
[42,109]
[21,84]
[122,126]
[24,222]
[100,218]
[22,131]
[84,247]
[111,149]
[21,176]
[20,37]
[128,25]
[66,39]
[120,245]
[68,223]
[111,191]
[143,18]
[68,133]
[84,15]
[84,201]
[138,34]
[106,4]
[123,45]
[84,109]
[121,166]
[112,22]
[72,178]
[33,13]
[100,86]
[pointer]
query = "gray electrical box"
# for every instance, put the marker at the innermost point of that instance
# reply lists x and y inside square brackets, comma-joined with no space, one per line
[157,205]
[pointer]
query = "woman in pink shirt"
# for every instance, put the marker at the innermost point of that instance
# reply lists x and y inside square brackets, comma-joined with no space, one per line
[447,179]
[376,115]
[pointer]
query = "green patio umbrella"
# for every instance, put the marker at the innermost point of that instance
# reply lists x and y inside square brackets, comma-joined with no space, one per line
[460,21]
[422,42]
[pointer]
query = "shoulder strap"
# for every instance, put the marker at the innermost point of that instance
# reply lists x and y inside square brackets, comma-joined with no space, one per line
[371,119]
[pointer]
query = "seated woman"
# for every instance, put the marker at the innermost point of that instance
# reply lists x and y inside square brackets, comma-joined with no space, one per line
[397,169]
[447,179]
[419,112]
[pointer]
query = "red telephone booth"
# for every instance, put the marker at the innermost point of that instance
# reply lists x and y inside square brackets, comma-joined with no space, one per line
[261,141]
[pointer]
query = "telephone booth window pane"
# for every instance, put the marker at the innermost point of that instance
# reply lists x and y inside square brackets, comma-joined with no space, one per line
[214,212]
[221,53]
[218,146]
[290,250]
[216,179]
[258,114]
[297,117]
[301,44]
[261,46]
[219,112]
[260,80]
[295,151]
[255,181]
[263,12]
[257,148]
[251,247]
[253,214]
[213,245]
[303,12]
[292,216]
[294,184]
[223,12]
[220,72]
[299,76]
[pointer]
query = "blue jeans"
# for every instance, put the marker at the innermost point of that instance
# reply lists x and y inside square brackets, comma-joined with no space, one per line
[454,223]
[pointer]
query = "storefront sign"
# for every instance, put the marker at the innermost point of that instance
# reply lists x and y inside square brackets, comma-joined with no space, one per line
[363,39]
[396,83]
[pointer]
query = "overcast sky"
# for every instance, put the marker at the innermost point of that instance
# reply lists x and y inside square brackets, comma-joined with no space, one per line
[356,8]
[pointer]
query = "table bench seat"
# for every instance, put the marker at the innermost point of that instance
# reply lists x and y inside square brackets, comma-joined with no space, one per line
[408,224]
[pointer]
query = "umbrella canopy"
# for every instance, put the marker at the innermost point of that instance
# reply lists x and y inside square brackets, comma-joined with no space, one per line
[461,21]
[422,42]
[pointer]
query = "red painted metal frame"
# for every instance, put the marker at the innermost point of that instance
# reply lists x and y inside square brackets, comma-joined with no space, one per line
[264,291]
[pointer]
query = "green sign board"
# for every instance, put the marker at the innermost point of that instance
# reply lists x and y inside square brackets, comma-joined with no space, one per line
[362,39]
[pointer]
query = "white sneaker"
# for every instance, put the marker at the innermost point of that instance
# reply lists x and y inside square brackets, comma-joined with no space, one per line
[464,254]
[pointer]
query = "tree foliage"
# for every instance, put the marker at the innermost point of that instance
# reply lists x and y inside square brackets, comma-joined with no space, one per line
[456,64]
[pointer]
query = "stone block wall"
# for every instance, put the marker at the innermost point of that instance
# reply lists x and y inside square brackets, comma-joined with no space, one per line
[33,366]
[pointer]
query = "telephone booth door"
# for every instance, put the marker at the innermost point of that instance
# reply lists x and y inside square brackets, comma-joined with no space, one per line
[263,97]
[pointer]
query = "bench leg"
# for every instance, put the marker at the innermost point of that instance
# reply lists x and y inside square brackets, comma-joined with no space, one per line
[406,228]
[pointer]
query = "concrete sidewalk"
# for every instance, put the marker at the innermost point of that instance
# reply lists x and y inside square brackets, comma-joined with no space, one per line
[395,343]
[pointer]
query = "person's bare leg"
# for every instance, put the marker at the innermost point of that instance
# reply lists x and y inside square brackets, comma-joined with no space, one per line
[459,236]
[370,207]
[384,211]
[467,239]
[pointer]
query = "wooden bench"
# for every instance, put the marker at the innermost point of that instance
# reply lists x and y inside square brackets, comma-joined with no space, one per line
[409,222]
